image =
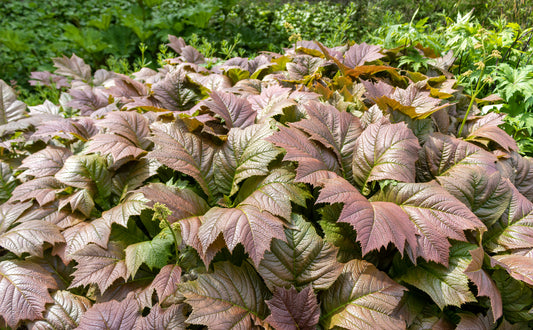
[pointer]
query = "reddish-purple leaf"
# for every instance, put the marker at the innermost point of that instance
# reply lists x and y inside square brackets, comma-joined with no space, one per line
[56,267]
[171,318]
[314,163]
[184,152]
[132,175]
[99,266]
[441,154]
[483,281]
[64,313]
[117,146]
[183,203]
[81,200]
[385,151]
[66,128]
[166,282]
[45,162]
[485,128]
[10,213]
[358,55]
[111,315]
[362,298]
[213,81]
[518,266]
[130,125]
[73,67]
[127,88]
[46,78]
[234,110]
[177,92]
[293,310]
[271,102]
[176,43]
[190,228]
[30,237]
[79,236]
[334,129]
[377,223]
[24,287]
[88,99]
[479,322]
[42,189]
[520,171]
[436,216]
[133,204]
[229,298]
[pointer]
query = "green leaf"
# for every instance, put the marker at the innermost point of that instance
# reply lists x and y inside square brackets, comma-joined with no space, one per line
[7,182]
[304,259]
[246,153]
[361,298]
[445,285]
[517,297]
[230,297]
[154,253]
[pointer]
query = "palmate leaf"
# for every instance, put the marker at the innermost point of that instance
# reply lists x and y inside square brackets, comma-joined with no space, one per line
[436,215]
[514,230]
[99,266]
[362,298]
[183,203]
[88,99]
[190,227]
[487,196]
[166,281]
[30,237]
[229,298]
[56,267]
[377,223]
[87,172]
[153,253]
[184,152]
[255,221]
[73,67]
[442,154]
[314,163]
[358,55]
[11,109]
[111,315]
[302,260]
[234,110]
[171,318]
[133,204]
[24,286]
[385,151]
[334,129]
[64,313]
[445,285]
[246,153]
[177,92]
[45,162]
[485,284]
[293,310]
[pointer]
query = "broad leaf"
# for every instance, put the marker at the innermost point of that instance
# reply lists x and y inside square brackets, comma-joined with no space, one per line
[302,260]
[229,298]
[177,92]
[87,172]
[81,200]
[99,266]
[184,152]
[314,163]
[66,128]
[358,55]
[133,204]
[64,313]
[385,152]
[293,310]
[115,145]
[24,286]
[9,213]
[518,266]
[79,236]
[11,109]
[7,182]
[445,285]
[166,282]
[517,297]
[43,190]
[73,67]
[362,298]
[133,174]
[30,237]
[130,125]
[245,154]
[45,162]
[519,170]
[442,154]
[111,315]
[487,196]
[483,281]
[235,111]
[171,318]
[272,101]
[377,223]
[153,253]
[335,130]
[436,216]
[183,203]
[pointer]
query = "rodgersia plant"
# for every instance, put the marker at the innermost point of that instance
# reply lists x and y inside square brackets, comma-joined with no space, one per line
[319,188]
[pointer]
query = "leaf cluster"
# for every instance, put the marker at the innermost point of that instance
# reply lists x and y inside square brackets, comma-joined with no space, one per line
[315,188]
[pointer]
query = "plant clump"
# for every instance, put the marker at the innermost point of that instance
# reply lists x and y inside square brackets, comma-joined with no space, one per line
[317,188]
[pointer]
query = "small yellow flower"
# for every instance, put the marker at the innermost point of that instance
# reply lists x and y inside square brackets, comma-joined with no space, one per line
[480,65]
[295,37]
[496,54]
[288,26]
[467,73]
[488,80]
[478,46]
